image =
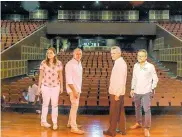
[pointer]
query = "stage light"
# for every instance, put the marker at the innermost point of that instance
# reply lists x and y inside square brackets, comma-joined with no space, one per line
[136,3]
[30,5]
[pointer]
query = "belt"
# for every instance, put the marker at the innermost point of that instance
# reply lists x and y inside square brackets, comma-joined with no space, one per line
[50,87]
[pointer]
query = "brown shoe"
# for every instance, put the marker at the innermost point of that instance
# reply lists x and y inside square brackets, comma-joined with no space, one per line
[135,126]
[108,133]
[69,126]
[77,131]
[147,133]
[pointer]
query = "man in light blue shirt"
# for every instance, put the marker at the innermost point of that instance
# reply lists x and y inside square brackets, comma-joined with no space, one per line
[144,82]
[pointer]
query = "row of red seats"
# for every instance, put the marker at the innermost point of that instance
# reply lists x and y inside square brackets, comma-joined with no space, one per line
[175,28]
[95,87]
[12,31]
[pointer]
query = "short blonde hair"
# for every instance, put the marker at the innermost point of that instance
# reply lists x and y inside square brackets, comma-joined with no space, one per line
[116,48]
[144,51]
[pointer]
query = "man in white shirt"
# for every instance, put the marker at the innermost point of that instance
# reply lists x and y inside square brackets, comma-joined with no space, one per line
[73,71]
[117,91]
[144,82]
[33,92]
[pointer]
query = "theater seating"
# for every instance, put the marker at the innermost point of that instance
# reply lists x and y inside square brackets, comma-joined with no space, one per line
[12,32]
[97,68]
[174,28]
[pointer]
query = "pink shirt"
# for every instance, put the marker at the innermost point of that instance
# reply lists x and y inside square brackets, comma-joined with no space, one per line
[118,78]
[50,74]
[73,71]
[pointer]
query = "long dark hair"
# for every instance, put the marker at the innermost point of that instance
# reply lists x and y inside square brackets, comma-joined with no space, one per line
[55,60]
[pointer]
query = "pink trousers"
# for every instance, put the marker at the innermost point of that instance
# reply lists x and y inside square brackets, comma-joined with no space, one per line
[73,111]
[50,93]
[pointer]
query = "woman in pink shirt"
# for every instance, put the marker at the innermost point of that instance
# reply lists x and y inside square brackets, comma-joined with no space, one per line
[51,85]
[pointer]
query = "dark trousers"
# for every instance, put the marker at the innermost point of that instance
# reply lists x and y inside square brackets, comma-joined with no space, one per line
[117,115]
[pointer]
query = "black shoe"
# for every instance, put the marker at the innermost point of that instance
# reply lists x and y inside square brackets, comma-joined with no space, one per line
[108,133]
[122,133]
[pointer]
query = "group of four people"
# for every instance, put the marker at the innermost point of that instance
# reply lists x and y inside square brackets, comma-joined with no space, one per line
[144,82]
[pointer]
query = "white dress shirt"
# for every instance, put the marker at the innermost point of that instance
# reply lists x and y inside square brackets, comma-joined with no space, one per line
[32,92]
[73,72]
[118,78]
[144,79]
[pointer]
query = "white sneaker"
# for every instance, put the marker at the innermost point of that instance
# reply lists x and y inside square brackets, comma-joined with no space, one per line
[47,125]
[55,127]
[38,111]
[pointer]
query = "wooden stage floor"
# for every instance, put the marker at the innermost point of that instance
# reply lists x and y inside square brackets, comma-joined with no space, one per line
[28,125]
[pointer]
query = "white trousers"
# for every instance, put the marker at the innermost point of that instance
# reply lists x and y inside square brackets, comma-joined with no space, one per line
[73,111]
[50,93]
